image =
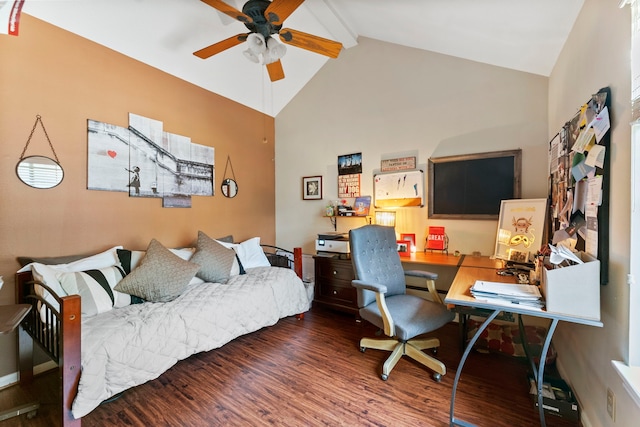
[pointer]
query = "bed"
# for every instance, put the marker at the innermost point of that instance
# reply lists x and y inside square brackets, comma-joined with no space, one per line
[101,355]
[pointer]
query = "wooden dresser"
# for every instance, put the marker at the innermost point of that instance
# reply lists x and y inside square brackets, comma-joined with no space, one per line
[333,288]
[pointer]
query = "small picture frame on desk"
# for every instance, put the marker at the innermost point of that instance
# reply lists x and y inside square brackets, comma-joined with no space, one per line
[520,227]
[518,256]
[411,238]
[403,247]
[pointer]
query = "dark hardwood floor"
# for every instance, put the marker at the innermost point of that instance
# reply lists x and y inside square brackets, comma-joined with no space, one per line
[310,373]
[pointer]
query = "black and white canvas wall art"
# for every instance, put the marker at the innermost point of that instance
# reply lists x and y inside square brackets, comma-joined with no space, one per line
[145,161]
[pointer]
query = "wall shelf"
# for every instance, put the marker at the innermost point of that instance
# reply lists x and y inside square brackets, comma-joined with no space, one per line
[334,219]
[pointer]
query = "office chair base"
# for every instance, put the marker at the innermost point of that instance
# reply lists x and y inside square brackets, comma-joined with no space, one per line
[412,348]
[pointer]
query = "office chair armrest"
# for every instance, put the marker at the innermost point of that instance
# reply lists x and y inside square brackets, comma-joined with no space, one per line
[430,278]
[389,326]
[375,287]
[422,274]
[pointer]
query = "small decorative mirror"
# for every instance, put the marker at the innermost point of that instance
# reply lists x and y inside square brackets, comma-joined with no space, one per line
[39,172]
[229,188]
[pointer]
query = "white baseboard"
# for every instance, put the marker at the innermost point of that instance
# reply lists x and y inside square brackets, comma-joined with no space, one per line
[11,379]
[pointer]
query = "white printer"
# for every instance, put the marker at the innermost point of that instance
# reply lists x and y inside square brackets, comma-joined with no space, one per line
[333,242]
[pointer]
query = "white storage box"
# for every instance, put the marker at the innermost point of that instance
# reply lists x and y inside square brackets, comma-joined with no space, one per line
[573,290]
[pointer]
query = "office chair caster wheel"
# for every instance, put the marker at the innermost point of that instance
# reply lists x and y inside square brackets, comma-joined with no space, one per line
[384,377]
[434,350]
[437,377]
[31,414]
[362,349]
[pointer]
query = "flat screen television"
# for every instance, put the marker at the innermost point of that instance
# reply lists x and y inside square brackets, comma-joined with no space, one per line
[472,186]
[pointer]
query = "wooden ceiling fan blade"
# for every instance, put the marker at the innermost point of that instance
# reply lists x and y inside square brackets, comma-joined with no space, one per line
[310,42]
[228,10]
[215,48]
[279,10]
[276,72]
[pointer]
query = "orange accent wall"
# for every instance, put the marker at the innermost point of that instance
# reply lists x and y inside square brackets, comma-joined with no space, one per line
[67,79]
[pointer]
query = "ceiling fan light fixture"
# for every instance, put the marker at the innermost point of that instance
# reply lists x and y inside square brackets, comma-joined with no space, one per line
[251,56]
[275,49]
[264,19]
[256,43]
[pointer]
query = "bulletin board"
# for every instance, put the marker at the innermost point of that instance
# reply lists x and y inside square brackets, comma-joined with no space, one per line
[579,181]
[399,189]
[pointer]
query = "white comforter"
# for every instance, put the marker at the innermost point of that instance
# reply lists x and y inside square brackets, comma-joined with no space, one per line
[129,346]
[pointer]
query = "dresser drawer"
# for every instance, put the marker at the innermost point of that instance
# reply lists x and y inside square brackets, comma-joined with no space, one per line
[336,270]
[338,291]
[333,284]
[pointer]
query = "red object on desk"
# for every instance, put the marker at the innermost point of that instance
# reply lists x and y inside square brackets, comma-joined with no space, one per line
[404,247]
[436,239]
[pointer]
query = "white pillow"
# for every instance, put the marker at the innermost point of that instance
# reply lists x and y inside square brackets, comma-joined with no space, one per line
[250,253]
[96,288]
[47,273]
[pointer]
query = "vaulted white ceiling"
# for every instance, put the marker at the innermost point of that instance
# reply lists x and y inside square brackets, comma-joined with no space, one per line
[525,35]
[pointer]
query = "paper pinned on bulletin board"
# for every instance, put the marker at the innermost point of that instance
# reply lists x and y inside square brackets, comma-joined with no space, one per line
[595,158]
[601,124]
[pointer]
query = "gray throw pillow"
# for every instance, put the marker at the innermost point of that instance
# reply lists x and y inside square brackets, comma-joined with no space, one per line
[161,276]
[215,260]
[227,239]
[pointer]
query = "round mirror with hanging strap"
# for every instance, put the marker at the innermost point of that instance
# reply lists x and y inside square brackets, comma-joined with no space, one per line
[39,171]
[229,186]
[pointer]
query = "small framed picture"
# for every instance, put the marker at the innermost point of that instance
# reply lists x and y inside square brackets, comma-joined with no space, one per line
[403,247]
[411,238]
[518,256]
[312,188]
[520,228]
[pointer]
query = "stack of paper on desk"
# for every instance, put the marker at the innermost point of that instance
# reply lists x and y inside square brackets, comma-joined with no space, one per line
[506,293]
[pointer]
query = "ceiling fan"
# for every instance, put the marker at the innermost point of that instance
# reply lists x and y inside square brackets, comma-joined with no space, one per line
[264,19]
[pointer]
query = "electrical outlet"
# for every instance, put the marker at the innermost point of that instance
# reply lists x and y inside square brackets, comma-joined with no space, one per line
[611,404]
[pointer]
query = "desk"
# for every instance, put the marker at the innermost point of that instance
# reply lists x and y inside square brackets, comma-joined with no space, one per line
[445,266]
[472,269]
[10,318]
[482,262]
[433,259]
[333,276]
[460,295]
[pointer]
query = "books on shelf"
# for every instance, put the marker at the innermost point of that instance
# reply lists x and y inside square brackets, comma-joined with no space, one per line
[507,293]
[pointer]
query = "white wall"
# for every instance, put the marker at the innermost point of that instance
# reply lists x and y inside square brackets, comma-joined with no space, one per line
[381,99]
[385,100]
[597,54]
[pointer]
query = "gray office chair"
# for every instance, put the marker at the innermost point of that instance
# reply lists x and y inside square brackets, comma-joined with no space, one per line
[383,301]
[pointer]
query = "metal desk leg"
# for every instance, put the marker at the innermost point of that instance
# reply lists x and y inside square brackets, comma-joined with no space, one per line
[527,350]
[452,419]
[463,324]
[541,364]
